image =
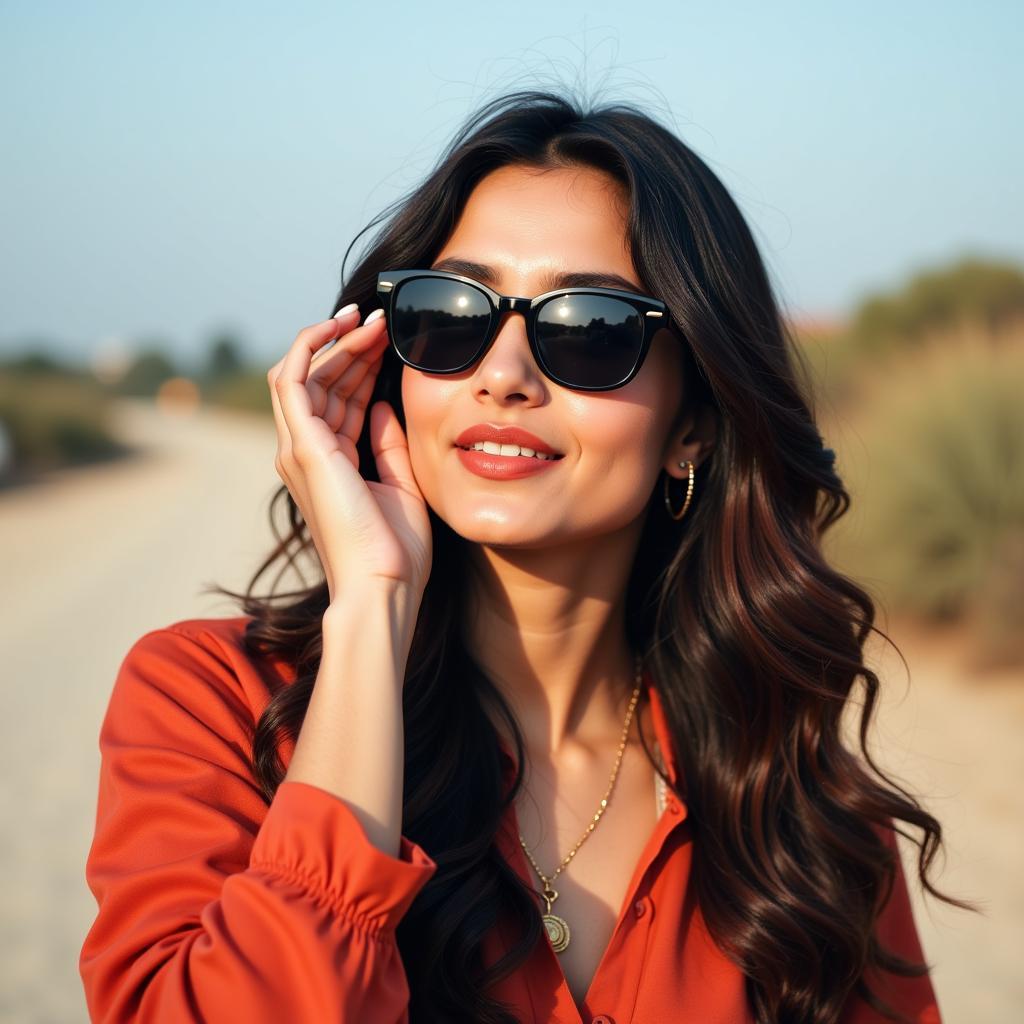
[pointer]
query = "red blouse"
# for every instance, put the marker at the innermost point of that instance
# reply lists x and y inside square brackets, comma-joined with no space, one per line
[214,906]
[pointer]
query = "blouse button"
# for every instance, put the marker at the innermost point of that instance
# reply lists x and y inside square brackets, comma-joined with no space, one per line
[602,1018]
[673,806]
[640,908]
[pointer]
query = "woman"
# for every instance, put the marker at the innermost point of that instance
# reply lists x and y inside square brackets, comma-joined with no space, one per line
[571,565]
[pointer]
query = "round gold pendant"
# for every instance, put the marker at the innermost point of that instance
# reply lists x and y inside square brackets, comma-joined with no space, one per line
[558,931]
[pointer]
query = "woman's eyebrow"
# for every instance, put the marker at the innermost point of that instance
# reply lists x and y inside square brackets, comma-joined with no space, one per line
[553,281]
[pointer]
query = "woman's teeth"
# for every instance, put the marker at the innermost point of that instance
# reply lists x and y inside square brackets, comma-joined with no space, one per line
[493,448]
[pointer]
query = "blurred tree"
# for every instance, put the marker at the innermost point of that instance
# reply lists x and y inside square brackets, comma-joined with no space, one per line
[148,370]
[224,366]
[977,291]
[224,358]
[34,362]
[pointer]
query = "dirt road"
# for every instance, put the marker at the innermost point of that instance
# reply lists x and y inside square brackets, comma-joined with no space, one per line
[96,557]
[93,559]
[956,740]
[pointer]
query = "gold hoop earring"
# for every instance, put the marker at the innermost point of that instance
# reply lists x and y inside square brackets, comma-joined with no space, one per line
[689,491]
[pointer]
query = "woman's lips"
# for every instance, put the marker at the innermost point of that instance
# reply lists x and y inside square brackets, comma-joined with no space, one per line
[502,467]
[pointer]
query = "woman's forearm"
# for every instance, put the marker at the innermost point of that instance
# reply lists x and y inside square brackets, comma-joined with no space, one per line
[352,739]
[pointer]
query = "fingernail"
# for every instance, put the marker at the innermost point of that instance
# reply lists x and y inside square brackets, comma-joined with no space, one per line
[345,310]
[375,315]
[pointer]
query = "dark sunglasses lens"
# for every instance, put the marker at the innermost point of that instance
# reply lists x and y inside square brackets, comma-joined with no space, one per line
[438,325]
[589,340]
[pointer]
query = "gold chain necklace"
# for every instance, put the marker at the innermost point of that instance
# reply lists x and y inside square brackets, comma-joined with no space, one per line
[557,927]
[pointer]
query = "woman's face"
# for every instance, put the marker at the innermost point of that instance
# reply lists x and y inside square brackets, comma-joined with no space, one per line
[526,226]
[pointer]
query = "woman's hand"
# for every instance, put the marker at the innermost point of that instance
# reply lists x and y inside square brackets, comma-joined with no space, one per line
[364,531]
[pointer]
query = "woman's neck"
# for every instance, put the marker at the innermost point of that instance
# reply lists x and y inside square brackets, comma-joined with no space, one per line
[548,627]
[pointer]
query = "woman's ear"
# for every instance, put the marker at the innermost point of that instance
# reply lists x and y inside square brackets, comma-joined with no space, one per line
[691,438]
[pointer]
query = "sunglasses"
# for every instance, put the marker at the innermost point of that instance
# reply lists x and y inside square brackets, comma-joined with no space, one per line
[587,339]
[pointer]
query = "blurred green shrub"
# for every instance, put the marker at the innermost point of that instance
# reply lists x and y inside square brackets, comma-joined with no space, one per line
[227,380]
[986,293]
[225,358]
[150,368]
[938,489]
[51,417]
[223,364]
[972,294]
[246,391]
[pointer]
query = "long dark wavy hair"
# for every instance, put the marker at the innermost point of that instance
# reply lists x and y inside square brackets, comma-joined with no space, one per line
[754,642]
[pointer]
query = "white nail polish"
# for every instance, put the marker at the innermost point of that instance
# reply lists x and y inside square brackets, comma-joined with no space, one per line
[345,310]
[375,315]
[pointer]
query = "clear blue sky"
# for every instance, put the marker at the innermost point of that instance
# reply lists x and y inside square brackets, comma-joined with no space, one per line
[172,170]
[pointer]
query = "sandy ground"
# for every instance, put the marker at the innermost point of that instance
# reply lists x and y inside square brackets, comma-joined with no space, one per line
[956,740]
[93,558]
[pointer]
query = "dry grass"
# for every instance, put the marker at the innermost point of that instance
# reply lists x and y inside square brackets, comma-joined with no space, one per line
[930,442]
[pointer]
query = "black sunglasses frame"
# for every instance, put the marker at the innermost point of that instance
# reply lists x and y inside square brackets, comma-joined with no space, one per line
[653,315]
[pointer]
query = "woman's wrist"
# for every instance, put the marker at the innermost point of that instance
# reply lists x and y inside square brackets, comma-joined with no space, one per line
[378,608]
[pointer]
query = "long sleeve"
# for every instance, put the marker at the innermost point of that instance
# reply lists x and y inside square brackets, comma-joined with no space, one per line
[897,931]
[213,906]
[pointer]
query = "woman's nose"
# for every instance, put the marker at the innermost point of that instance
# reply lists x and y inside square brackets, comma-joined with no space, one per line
[508,366]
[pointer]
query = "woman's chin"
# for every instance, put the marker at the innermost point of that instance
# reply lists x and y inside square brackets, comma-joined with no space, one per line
[498,528]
